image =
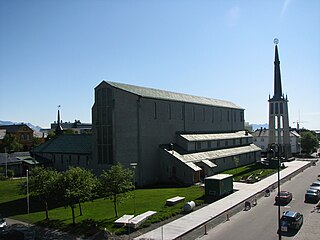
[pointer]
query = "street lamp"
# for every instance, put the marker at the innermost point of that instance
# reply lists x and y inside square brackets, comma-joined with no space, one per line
[134,165]
[28,191]
[271,150]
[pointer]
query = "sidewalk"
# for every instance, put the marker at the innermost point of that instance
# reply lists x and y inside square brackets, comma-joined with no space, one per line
[223,207]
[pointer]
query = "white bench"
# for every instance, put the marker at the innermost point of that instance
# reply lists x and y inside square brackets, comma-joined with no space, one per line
[123,220]
[174,200]
[139,219]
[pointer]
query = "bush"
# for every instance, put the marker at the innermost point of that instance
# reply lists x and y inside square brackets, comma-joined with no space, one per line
[10,173]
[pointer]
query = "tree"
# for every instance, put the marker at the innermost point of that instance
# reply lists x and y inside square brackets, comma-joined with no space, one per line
[79,185]
[115,183]
[44,184]
[10,143]
[309,141]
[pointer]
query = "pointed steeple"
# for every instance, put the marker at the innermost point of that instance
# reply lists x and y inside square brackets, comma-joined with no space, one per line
[59,127]
[277,76]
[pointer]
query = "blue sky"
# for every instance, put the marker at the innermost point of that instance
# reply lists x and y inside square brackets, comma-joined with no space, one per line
[56,52]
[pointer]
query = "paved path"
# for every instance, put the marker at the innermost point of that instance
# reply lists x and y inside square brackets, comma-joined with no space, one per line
[194,220]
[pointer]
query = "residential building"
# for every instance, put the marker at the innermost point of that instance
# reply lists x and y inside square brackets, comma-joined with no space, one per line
[22,132]
[261,137]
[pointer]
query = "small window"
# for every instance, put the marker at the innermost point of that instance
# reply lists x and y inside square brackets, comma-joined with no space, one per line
[198,145]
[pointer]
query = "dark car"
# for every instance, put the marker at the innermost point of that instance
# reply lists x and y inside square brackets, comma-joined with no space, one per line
[284,197]
[292,219]
[312,195]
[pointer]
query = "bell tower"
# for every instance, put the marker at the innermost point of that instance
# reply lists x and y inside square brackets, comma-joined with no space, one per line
[278,112]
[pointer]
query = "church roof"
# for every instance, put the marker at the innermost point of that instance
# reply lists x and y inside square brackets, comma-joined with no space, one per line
[215,136]
[67,144]
[172,96]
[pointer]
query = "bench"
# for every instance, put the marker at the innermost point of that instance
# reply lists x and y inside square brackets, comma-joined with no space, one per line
[174,200]
[123,220]
[139,219]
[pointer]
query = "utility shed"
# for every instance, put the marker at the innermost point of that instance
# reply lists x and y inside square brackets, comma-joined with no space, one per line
[218,185]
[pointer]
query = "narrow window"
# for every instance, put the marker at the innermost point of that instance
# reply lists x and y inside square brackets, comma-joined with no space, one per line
[203,114]
[182,112]
[193,113]
[155,110]
[276,108]
[169,111]
[212,115]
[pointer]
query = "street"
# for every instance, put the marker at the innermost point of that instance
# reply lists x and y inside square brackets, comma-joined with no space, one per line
[261,222]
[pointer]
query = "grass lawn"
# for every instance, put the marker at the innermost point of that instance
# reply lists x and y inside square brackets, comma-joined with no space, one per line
[256,170]
[98,214]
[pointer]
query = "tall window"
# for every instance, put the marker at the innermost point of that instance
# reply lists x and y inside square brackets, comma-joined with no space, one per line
[169,111]
[193,113]
[104,126]
[203,114]
[155,110]
[182,112]
[212,114]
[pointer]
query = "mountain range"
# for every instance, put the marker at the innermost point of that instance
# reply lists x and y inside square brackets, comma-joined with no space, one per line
[35,128]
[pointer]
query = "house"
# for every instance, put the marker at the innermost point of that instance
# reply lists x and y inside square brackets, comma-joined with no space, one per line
[22,132]
[261,137]
[64,151]
[18,162]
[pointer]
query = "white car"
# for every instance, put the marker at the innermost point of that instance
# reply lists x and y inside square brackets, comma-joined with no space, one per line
[3,223]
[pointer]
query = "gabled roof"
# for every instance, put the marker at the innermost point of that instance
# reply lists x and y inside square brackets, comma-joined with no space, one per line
[171,96]
[192,159]
[14,128]
[67,144]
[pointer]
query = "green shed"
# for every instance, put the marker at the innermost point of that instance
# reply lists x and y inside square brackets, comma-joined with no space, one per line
[218,185]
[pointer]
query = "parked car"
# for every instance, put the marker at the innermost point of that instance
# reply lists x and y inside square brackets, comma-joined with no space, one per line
[284,197]
[3,223]
[312,195]
[291,219]
[315,185]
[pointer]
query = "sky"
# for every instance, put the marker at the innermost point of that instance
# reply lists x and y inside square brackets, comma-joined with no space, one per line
[56,52]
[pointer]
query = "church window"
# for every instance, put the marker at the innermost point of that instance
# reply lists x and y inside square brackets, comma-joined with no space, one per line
[155,110]
[281,108]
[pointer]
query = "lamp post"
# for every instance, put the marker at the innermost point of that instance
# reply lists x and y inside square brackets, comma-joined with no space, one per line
[5,150]
[134,165]
[271,150]
[28,191]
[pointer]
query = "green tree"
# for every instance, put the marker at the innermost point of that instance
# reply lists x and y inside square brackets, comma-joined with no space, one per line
[79,185]
[309,142]
[116,183]
[10,143]
[43,183]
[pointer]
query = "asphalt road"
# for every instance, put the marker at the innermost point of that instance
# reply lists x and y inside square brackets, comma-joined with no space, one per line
[261,221]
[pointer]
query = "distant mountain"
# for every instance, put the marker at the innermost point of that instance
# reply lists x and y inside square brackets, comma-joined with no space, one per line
[257,126]
[35,128]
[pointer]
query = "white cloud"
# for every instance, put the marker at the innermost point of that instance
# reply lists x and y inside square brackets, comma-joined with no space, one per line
[233,16]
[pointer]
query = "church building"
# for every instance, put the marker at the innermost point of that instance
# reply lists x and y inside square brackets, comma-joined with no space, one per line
[167,136]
